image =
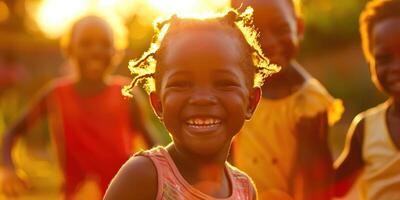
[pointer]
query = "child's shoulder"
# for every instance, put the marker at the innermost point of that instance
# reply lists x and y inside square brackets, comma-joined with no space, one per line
[55,86]
[60,83]
[372,115]
[137,179]
[374,110]
[313,87]
[237,173]
[242,181]
[313,98]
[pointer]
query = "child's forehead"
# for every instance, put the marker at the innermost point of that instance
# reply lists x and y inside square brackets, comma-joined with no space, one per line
[387,31]
[201,43]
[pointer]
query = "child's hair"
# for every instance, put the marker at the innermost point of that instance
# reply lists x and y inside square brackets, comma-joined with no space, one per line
[116,26]
[295,5]
[255,64]
[374,12]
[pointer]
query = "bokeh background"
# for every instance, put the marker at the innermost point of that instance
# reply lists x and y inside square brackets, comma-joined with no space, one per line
[30,57]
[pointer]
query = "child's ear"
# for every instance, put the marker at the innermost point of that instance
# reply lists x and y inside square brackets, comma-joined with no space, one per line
[255,96]
[156,104]
[300,27]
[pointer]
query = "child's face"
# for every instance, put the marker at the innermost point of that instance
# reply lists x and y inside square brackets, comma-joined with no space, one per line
[203,95]
[385,46]
[92,49]
[279,30]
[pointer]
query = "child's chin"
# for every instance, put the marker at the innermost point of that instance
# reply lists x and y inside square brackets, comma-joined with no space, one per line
[93,78]
[207,150]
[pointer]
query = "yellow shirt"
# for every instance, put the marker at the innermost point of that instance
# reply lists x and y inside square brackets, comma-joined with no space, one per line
[265,147]
[381,176]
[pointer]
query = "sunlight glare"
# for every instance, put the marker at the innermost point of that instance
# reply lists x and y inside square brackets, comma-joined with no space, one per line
[54,16]
[188,7]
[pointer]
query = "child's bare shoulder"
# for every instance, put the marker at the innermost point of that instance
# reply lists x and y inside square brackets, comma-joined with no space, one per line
[137,179]
[359,122]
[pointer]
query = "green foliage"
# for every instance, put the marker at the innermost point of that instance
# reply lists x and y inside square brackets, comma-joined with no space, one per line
[331,22]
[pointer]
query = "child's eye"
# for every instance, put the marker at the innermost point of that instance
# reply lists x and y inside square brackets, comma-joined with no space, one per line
[383,59]
[179,84]
[226,83]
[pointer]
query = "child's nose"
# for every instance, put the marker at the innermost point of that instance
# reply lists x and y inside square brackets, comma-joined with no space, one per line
[202,97]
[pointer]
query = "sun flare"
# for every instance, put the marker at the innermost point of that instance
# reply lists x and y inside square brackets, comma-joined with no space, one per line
[53,17]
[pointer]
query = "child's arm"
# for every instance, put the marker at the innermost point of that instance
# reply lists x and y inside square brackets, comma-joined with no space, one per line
[254,192]
[313,171]
[137,179]
[350,163]
[11,183]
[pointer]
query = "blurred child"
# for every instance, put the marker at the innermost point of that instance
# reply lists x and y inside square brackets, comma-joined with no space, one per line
[373,141]
[284,147]
[207,74]
[92,124]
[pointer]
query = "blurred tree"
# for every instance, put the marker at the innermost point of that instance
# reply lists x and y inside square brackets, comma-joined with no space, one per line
[331,23]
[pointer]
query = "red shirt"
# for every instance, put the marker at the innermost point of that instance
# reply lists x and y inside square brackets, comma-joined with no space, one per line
[93,134]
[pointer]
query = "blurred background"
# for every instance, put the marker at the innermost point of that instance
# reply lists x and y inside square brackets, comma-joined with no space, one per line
[30,57]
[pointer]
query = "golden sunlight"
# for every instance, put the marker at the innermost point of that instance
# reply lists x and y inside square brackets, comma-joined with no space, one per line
[188,7]
[53,17]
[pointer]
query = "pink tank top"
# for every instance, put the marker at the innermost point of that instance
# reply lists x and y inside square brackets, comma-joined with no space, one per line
[171,184]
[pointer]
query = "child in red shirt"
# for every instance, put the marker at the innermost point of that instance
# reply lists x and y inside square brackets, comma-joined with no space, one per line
[91,123]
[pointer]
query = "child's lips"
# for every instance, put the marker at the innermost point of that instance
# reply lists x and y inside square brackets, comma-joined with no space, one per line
[203,129]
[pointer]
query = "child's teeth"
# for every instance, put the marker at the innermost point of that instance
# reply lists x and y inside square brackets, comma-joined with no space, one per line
[202,122]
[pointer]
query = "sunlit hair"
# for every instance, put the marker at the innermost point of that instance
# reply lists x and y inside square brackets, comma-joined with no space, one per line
[297,7]
[118,29]
[374,12]
[146,69]
[294,4]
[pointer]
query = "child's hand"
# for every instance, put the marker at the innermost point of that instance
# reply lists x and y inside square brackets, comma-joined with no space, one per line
[13,184]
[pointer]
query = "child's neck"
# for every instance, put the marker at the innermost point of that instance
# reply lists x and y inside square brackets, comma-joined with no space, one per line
[284,83]
[89,87]
[202,173]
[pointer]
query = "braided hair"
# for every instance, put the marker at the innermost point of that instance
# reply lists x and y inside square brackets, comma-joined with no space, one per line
[147,68]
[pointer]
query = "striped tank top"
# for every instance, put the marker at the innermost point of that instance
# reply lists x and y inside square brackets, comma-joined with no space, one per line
[172,186]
